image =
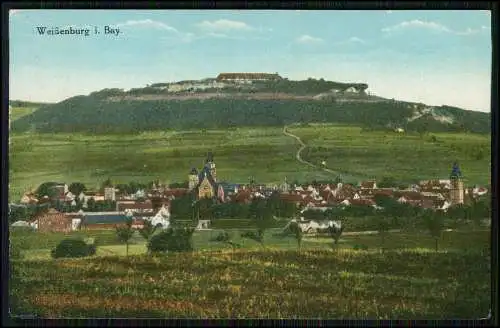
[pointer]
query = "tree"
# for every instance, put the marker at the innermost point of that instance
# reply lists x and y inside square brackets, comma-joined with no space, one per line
[335,232]
[147,230]
[125,232]
[91,204]
[294,230]
[434,222]
[107,183]
[261,213]
[46,189]
[76,188]
[387,182]
[382,228]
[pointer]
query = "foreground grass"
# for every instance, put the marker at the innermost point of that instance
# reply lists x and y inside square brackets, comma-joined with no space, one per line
[408,281]
[404,157]
[397,284]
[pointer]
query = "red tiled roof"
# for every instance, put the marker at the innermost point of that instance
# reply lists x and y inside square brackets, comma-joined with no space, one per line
[366,202]
[368,184]
[178,192]
[410,195]
[383,191]
[135,206]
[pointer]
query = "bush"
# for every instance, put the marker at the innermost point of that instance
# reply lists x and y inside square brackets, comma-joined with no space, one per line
[172,240]
[73,248]
[222,237]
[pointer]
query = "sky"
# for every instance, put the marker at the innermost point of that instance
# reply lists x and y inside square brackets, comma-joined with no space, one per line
[434,57]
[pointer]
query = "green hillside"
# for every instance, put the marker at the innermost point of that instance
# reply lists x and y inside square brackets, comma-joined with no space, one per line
[154,108]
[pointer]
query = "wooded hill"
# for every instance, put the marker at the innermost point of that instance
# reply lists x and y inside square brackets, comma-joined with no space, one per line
[153,108]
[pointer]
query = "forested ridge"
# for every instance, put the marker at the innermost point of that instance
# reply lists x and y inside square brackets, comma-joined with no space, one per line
[110,111]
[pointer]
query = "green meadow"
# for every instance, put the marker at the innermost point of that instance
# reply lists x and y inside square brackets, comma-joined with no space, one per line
[404,157]
[265,154]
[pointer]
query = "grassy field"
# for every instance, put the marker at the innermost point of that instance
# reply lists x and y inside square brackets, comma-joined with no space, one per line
[404,157]
[408,281]
[263,153]
[266,154]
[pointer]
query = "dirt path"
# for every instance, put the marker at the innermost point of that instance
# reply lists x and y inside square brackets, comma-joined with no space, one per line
[303,161]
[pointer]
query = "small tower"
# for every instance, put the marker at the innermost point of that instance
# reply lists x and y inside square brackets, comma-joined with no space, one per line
[457,186]
[193,179]
[211,165]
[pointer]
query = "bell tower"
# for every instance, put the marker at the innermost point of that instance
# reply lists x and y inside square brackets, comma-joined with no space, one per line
[211,165]
[192,179]
[457,186]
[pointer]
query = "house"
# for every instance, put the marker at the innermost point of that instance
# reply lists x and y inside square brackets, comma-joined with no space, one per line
[52,221]
[243,197]
[362,202]
[110,193]
[368,185]
[29,199]
[102,220]
[76,219]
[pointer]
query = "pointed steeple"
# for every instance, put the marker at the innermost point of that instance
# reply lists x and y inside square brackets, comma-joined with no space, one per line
[455,171]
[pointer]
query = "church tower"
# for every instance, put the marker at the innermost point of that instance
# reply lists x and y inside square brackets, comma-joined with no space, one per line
[193,179]
[457,186]
[211,165]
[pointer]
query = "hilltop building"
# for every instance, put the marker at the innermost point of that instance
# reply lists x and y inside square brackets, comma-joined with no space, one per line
[240,77]
[457,186]
[204,184]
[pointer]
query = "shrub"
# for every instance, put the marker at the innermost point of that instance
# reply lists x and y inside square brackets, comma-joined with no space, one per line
[73,248]
[172,240]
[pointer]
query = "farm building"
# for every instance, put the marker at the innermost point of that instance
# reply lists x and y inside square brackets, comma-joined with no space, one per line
[53,221]
[102,220]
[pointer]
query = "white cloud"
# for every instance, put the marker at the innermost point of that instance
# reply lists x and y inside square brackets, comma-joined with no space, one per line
[416,23]
[307,39]
[388,11]
[224,25]
[355,40]
[148,23]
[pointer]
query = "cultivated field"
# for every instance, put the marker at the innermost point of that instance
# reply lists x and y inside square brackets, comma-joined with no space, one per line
[410,280]
[240,153]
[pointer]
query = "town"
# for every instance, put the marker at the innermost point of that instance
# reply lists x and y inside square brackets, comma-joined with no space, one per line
[63,209]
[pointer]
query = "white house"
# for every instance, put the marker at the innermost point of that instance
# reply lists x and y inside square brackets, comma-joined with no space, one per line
[162,218]
[69,197]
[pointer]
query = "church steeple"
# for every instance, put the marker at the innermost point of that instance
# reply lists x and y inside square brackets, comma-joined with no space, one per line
[457,185]
[211,165]
[455,171]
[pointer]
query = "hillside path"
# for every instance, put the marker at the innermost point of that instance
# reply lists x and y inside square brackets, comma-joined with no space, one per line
[302,147]
[303,161]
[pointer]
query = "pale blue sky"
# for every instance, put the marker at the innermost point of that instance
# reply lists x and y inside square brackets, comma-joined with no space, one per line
[435,57]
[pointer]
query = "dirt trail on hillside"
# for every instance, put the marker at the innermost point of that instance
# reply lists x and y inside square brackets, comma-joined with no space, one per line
[303,161]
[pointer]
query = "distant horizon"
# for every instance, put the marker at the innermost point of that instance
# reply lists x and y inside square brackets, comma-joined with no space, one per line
[439,57]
